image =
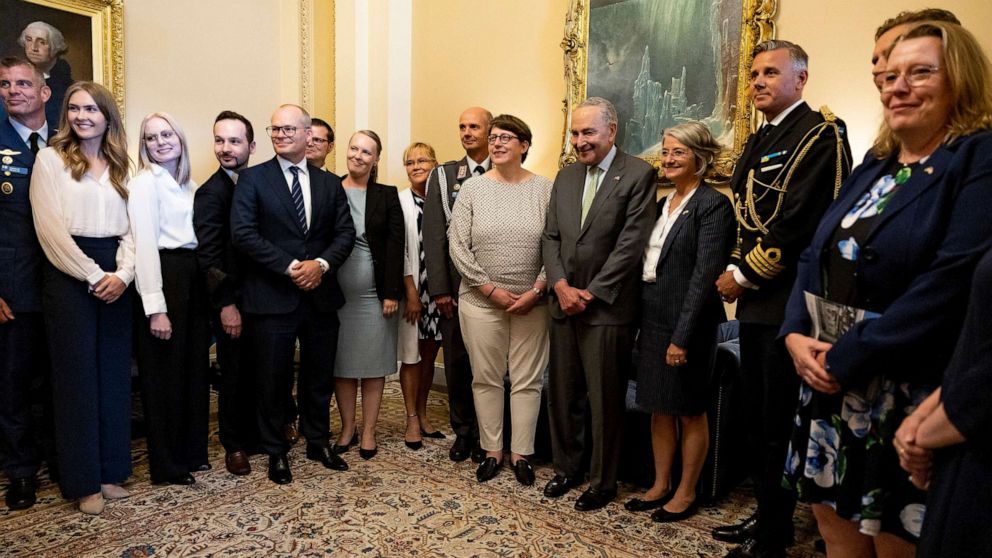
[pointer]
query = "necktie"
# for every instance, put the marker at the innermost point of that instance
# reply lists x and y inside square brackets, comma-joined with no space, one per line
[297,192]
[592,180]
[479,170]
[33,142]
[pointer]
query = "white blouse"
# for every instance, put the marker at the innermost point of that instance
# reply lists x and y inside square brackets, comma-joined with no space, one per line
[63,208]
[652,252]
[161,219]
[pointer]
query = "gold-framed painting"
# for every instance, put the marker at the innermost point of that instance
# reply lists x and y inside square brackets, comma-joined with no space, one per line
[662,62]
[70,40]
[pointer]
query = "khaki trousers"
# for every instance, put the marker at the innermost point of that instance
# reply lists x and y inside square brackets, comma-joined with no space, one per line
[498,343]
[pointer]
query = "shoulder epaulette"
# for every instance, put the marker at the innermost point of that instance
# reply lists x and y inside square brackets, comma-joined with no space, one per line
[828,114]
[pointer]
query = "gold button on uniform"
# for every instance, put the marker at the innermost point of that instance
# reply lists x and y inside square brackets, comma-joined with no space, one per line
[7,188]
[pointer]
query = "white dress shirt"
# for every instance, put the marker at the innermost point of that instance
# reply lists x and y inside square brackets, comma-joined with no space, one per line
[472,164]
[161,219]
[90,207]
[652,252]
[304,177]
[26,132]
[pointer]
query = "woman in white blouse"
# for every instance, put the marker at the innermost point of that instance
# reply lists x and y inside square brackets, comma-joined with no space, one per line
[495,242]
[173,338]
[79,201]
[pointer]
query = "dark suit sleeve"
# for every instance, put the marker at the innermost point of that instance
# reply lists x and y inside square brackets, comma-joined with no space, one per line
[210,220]
[810,191]
[716,233]
[551,238]
[435,239]
[627,252]
[244,226]
[395,245]
[344,229]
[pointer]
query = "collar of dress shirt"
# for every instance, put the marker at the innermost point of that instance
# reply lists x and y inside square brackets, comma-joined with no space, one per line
[26,132]
[230,174]
[284,165]
[607,161]
[781,116]
[472,164]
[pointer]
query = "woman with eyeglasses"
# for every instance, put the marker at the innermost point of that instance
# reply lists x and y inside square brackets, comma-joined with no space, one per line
[901,242]
[495,242]
[419,334]
[79,201]
[173,337]
[681,311]
[372,282]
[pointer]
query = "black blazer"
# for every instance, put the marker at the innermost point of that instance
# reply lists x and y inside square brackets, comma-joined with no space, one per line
[264,225]
[695,252]
[386,236]
[215,251]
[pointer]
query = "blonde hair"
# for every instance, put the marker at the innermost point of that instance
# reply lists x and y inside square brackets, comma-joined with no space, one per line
[145,159]
[697,137]
[422,146]
[113,144]
[969,77]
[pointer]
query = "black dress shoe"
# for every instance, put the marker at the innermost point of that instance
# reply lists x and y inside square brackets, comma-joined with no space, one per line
[367,454]
[201,467]
[323,454]
[751,548]
[593,499]
[181,480]
[461,449]
[524,472]
[638,505]
[279,472]
[661,515]
[559,485]
[489,469]
[437,434]
[21,494]
[346,447]
[737,533]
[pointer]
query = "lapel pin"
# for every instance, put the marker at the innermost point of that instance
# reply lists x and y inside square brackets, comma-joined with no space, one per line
[928,170]
[7,159]
[616,178]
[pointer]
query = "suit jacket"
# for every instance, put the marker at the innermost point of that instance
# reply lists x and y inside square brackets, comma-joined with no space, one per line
[914,267]
[695,252]
[444,277]
[264,225]
[385,234]
[604,254]
[769,259]
[21,257]
[215,251]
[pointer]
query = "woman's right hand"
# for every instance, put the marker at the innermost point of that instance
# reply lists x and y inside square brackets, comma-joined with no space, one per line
[160,325]
[808,356]
[109,289]
[503,298]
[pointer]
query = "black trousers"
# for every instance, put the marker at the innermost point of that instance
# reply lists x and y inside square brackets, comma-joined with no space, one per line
[589,369]
[22,364]
[175,386]
[89,343]
[274,345]
[237,422]
[771,388]
[458,377]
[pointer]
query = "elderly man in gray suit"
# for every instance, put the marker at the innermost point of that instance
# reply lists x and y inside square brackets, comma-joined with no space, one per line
[601,213]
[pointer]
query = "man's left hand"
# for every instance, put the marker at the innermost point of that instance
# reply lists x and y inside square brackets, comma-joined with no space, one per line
[306,275]
[728,287]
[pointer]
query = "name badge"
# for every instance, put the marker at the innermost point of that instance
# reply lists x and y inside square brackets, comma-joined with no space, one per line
[771,156]
[771,167]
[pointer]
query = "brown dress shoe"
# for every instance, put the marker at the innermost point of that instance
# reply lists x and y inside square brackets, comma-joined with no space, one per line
[290,433]
[237,463]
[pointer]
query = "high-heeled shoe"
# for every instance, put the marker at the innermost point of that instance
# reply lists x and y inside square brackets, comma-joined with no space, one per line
[92,504]
[437,434]
[416,444]
[342,449]
[367,454]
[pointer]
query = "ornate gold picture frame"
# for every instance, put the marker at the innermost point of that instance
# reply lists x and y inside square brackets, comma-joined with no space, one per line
[624,36]
[93,31]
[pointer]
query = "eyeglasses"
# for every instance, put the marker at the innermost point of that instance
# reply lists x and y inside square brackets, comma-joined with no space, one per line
[163,136]
[502,139]
[287,131]
[677,153]
[318,141]
[915,77]
[418,162]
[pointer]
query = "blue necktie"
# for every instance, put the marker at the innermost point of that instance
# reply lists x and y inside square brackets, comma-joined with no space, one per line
[297,193]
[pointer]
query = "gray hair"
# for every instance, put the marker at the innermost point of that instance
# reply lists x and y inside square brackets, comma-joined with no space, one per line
[606,108]
[697,137]
[800,60]
[55,37]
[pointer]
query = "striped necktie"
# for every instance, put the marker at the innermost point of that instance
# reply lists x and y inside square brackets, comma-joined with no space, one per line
[297,192]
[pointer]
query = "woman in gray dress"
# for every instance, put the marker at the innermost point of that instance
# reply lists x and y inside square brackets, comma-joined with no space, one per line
[372,282]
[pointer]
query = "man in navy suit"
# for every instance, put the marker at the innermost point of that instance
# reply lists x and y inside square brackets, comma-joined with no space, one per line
[293,223]
[22,133]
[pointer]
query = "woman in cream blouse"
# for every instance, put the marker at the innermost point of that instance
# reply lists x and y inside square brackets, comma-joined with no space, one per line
[79,201]
[174,336]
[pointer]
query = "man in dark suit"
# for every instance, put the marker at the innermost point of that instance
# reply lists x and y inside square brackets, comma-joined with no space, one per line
[321,144]
[601,212]
[786,177]
[234,142]
[22,133]
[443,279]
[293,223]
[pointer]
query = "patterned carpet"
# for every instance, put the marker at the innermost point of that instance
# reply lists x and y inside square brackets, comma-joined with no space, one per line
[401,503]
